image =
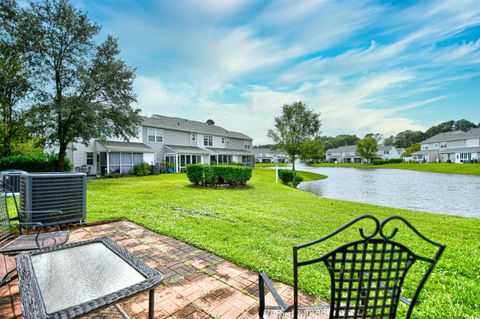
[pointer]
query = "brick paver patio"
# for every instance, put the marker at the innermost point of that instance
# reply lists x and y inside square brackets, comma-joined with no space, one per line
[196,284]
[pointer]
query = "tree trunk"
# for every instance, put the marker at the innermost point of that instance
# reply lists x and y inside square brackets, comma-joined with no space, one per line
[61,157]
[293,162]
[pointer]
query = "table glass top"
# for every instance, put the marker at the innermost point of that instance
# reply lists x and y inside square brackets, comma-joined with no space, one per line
[72,276]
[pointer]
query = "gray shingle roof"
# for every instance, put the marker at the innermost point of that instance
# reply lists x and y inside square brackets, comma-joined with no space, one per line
[187,149]
[126,146]
[179,124]
[228,151]
[453,136]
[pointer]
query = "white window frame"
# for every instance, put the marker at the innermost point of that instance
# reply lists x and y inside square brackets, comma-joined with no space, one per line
[156,133]
[90,157]
[207,140]
[247,144]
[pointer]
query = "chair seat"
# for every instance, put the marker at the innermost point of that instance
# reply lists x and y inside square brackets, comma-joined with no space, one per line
[313,312]
[28,242]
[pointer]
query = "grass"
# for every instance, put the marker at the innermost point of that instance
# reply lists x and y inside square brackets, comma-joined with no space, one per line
[450,168]
[257,226]
[260,165]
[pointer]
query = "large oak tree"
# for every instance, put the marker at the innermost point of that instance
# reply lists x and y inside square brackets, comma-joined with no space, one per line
[84,90]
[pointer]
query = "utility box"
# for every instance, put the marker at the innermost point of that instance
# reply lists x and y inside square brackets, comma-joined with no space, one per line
[11,179]
[66,192]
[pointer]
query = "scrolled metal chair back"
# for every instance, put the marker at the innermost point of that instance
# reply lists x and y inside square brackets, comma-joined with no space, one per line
[367,275]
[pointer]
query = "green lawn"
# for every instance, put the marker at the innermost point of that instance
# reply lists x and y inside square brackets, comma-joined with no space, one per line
[451,168]
[259,165]
[257,226]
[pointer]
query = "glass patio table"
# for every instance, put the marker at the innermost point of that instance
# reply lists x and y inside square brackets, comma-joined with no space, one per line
[72,280]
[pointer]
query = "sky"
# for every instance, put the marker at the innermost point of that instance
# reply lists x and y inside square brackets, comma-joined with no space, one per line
[366,66]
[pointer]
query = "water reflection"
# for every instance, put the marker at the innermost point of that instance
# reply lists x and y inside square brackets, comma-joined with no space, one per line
[451,194]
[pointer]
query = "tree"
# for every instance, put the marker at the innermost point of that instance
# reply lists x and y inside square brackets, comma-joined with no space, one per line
[210,122]
[296,125]
[14,79]
[312,151]
[408,138]
[464,125]
[444,127]
[412,149]
[83,91]
[389,141]
[367,148]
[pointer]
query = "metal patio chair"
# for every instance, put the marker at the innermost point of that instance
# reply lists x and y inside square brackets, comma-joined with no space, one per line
[12,243]
[366,276]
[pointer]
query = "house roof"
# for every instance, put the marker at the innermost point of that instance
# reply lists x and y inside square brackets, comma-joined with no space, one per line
[453,136]
[460,150]
[347,148]
[179,124]
[126,146]
[230,151]
[187,149]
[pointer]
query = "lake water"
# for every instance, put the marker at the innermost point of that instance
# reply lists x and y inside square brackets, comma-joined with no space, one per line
[451,194]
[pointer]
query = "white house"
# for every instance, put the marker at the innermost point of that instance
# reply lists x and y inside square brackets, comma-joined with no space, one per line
[347,154]
[455,147]
[266,155]
[173,141]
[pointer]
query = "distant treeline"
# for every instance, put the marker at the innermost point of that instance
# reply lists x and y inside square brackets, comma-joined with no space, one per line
[403,139]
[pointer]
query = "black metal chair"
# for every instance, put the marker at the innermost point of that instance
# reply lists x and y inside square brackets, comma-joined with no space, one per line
[366,276]
[12,243]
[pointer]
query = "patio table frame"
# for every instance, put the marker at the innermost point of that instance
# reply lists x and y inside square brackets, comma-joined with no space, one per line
[31,299]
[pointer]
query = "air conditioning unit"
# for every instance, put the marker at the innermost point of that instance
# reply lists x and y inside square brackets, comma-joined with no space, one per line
[11,180]
[66,192]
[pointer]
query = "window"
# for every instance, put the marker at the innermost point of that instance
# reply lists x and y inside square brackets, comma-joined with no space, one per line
[124,162]
[208,140]
[155,135]
[443,145]
[223,140]
[194,137]
[247,144]
[89,158]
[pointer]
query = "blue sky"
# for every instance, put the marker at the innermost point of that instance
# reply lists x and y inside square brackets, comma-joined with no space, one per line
[367,66]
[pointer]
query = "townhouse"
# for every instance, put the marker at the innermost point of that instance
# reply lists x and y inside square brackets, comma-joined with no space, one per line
[454,147]
[347,154]
[266,155]
[171,141]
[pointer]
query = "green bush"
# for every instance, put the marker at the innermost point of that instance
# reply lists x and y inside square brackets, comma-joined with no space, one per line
[201,174]
[142,169]
[297,179]
[286,175]
[33,163]
[388,161]
[195,174]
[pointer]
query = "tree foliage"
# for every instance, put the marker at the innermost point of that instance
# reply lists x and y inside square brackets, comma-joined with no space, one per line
[367,148]
[412,149]
[14,79]
[339,140]
[83,90]
[210,122]
[312,150]
[407,138]
[297,125]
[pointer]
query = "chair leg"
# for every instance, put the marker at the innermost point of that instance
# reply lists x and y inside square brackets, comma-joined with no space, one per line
[261,296]
[9,276]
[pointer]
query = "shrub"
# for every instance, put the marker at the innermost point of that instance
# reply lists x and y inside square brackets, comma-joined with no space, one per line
[33,163]
[201,174]
[378,162]
[297,179]
[286,176]
[388,161]
[195,174]
[142,169]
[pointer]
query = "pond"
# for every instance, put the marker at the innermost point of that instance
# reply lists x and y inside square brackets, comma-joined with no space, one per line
[451,194]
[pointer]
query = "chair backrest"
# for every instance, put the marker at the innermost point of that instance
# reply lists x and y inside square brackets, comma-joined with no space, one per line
[5,227]
[367,275]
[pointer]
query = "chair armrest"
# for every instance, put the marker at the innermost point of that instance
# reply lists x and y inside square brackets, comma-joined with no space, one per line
[34,224]
[263,279]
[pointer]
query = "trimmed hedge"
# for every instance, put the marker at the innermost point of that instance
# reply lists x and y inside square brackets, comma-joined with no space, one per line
[201,174]
[286,175]
[388,161]
[33,163]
